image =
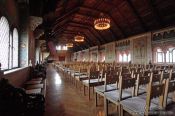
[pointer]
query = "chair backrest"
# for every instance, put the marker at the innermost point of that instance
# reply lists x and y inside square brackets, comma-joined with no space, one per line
[172,76]
[84,70]
[126,84]
[126,75]
[154,91]
[94,75]
[169,88]
[125,70]
[111,79]
[141,80]
[156,77]
[166,75]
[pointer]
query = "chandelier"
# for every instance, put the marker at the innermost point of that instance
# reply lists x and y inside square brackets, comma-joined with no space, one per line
[102,23]
[79,38]
[69,45]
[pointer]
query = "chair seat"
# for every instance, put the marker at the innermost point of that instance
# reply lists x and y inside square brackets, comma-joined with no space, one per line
[101,88]
[142,90]
[74,74]
[32,82]
[82,77]
[36,86]
[136,105]
[114,95]
[92,82]
[33,91]
[37,79]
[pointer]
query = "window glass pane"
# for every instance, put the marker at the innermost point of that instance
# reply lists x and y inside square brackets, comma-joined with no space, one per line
[64,48]
[174,55]
[10,52]
[124,58]
[120,58]
[167,56]
[129,57]
[159,50]
[15,48]
[171,57]
[160,57]
[58,47]
[4,42]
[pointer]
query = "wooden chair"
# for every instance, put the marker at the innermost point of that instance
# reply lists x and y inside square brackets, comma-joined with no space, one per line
[92,81]
[137,106]
[169,92]
[142,83]
[116,96]
[109,85]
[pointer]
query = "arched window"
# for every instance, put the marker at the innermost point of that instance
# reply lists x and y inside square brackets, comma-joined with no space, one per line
[159,56]
[4,43]
[8,46]
[124,57]
[15,48]
[166,56]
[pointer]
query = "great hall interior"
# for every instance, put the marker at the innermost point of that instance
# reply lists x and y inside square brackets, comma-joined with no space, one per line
[87,57]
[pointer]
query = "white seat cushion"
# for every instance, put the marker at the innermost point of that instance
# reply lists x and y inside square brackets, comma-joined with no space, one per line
[114,95]
[101,88]
[86,82]
[136,105]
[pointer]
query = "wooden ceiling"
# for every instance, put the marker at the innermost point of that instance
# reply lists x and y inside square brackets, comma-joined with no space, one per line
[128,17]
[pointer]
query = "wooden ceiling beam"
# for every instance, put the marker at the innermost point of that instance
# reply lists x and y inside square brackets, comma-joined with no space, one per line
[70,12]
[87,27]
[137,15]
[93,18]
[91,28]
[85,43]
[156,13]
[86,36]
[107,14]
[65,30]
[97,41]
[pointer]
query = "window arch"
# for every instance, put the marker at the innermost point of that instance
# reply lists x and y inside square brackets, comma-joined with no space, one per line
[4,43]
[8,45]
[167,56]
[123,57]
[15,48]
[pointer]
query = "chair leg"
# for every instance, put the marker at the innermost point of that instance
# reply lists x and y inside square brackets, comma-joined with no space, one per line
[120,110]
[96,102]
[84,90]
[106,106]
[89,90]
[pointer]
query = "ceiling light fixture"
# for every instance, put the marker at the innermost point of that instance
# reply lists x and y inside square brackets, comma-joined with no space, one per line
[79,38]
[102,23]
[69,45]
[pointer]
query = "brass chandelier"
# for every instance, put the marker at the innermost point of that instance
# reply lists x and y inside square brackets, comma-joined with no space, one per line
[69,45]
[102,23]
[79,38]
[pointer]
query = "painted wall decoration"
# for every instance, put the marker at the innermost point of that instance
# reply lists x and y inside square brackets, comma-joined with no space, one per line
[24,49]
[140,45]
[110,52]
[94,54]
[141,48]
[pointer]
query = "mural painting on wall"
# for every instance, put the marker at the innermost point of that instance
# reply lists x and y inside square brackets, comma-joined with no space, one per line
[110,51]
[140,47]
[24,50]
[94,57]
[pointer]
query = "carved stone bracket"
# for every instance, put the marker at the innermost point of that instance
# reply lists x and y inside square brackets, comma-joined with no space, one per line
[34,22]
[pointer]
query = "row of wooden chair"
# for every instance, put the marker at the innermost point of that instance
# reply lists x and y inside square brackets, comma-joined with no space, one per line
[118,83]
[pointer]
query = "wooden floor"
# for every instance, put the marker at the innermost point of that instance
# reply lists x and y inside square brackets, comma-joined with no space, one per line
[63,99]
